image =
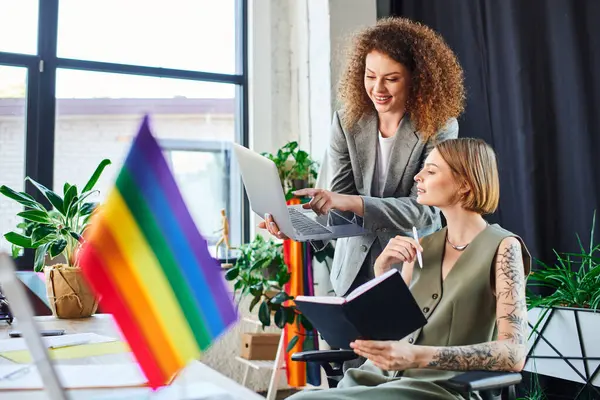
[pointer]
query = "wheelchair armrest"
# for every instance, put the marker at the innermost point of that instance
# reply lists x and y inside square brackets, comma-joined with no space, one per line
[482,380]
[325,356]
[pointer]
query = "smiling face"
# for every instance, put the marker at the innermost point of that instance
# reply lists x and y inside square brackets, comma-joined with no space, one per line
[387,82]
[436,184]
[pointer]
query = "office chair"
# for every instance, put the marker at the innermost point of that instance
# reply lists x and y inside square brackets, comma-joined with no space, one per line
[490,385]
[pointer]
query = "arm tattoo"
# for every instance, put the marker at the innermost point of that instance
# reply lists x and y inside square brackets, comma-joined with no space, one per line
[510,268]
[493,356]
[510,349]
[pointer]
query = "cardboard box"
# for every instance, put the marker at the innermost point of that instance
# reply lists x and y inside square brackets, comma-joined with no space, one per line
[260,346]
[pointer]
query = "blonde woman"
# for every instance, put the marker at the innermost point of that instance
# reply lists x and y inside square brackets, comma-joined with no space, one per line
[471,288]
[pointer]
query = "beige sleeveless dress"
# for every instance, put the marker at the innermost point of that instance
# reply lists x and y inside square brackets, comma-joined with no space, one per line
[461,310]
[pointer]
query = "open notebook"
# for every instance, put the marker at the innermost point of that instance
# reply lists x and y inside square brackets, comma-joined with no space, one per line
[381,309]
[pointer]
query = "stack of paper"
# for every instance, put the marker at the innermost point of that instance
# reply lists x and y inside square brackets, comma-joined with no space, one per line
[19,377]
[64,347]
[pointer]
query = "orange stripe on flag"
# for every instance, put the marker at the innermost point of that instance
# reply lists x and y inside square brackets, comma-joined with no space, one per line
[121,273]
[113,302]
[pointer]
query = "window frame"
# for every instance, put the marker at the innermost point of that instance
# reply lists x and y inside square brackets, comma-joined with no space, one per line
[41,98]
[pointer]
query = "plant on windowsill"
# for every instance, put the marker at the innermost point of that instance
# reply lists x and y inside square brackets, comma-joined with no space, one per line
[295,167]
[568,314]
[58,233]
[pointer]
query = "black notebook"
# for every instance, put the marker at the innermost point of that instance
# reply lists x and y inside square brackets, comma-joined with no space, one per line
[381,309]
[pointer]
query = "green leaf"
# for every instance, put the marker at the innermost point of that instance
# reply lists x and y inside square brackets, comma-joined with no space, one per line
[280,298]
[283,277]
[292,343]
[40,257]
[18,240]
[35,216]
[75,236]
[305,323]
[87,208]
[290,314]
[280,318]
[308,344]
[53,198]
[232,273]
[66,187]
[21,197]
[57,247]
[254,302]
[264,314]
[16,251]
[70,198]
[256,290]
[92,182]
[42,232]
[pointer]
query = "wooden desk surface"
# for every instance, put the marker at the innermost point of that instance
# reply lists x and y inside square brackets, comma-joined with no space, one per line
[103,324]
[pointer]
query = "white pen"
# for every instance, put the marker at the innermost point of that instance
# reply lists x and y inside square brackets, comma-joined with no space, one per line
[69,344]
[416,237]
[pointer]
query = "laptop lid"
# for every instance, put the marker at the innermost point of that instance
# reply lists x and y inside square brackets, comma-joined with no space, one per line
[23,312]
[263,186]
[265,193]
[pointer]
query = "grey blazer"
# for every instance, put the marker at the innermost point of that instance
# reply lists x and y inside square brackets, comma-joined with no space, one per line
[352,157]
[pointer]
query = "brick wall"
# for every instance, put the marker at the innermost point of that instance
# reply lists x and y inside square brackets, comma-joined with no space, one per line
[83,141]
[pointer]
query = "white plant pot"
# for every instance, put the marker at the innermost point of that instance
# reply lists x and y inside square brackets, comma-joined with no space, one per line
[568,335]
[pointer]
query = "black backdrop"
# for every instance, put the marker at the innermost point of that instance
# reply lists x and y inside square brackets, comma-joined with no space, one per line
[532,73]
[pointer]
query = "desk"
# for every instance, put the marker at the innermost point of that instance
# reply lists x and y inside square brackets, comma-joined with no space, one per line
[103,324]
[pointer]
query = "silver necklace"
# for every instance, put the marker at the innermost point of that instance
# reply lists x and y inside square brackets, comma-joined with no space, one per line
[457,248]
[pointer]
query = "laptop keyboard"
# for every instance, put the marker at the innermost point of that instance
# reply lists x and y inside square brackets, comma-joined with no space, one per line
[305,225]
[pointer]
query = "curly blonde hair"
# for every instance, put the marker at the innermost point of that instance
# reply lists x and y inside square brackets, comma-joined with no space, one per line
[436,92]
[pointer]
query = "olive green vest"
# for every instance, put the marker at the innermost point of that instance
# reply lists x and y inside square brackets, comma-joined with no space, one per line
[461,310]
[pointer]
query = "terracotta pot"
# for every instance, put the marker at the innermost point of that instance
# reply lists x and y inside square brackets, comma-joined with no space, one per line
[68,293]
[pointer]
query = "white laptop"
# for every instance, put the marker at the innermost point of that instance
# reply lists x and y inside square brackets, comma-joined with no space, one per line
[266,196]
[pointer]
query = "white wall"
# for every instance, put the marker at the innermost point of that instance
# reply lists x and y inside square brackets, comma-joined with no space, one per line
[295,62]
[296,55]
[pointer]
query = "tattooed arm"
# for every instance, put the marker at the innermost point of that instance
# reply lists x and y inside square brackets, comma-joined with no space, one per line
[508,352]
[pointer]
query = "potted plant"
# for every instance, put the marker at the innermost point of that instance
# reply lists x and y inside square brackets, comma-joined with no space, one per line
[564,323]
[261,273]
[56,233]
[296,169]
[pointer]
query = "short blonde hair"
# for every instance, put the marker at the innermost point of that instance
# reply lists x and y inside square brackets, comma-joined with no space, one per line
[473,163]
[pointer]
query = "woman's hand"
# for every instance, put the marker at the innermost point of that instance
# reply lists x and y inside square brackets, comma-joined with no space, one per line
[388,355]
[322,200]
[399,249]
[270,225]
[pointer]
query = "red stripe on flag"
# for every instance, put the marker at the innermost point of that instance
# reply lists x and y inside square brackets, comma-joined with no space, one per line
[112,302]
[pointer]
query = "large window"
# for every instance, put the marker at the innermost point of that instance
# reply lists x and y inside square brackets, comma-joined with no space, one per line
[76,77]
[12,142]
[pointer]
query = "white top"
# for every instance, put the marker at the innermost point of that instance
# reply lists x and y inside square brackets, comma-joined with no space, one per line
[384,149]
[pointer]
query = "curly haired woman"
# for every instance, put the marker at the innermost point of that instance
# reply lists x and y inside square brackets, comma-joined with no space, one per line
[402,91]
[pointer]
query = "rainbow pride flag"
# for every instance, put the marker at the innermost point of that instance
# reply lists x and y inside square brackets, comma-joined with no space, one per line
[151,268]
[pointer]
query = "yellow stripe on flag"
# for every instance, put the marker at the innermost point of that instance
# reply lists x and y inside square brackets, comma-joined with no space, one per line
[147,270]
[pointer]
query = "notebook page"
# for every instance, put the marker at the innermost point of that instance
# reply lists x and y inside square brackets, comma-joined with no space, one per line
[321,299]
[372,283]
